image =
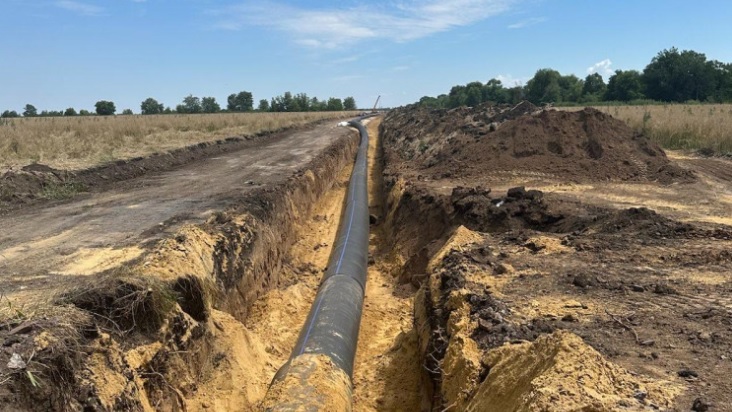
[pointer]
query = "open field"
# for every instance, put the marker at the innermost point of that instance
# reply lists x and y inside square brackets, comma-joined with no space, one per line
[705,127]
[81,142]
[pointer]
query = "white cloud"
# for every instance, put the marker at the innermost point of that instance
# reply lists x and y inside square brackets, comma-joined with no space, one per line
[602,67]
[398,21]
[80,8]
[528,22]
[509,81]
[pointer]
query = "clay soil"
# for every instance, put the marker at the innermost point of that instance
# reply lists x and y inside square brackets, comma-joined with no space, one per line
[570,240]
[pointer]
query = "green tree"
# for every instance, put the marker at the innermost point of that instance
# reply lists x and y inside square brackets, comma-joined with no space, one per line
[723,73]
[30,111]
[191,104]
[84,112]
[263,105]
[151,106]
[493,91]
[168,110]
[317,105]
[679,76]
[240,102]
[624,86]
[288,102]
[70,112]
[9,114]
[301,103]
[349,103]
[105,108]
[544,87]
[571,87]
[209,105]
[458,96]
[594,87]
[127,112]
[335,104]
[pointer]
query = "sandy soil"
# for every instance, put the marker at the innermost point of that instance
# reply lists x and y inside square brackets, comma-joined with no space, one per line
[45,247]
[387,374]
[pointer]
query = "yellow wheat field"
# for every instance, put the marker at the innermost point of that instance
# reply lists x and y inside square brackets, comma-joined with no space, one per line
[79,142]
[680,126]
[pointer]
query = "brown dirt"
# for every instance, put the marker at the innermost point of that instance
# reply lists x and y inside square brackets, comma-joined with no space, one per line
[581,146]
[160,330]
[36,182]
[643,291]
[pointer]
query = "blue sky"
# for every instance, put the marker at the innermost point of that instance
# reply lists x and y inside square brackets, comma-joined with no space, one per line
[61,53]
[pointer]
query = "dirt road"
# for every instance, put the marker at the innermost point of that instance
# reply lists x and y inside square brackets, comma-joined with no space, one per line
[50,245]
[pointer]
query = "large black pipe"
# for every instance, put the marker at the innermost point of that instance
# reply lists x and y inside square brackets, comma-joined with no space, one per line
[332,326]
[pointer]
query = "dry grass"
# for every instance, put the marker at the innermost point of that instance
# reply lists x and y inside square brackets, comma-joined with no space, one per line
[705,127]
[80,142]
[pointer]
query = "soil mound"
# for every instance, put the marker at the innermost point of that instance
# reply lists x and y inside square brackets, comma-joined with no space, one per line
[585,145]
[561,372]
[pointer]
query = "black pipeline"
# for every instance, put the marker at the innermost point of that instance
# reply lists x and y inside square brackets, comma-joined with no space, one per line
[318,374]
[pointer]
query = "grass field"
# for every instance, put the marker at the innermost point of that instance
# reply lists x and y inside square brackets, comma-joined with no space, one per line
[80,142]
[705,127]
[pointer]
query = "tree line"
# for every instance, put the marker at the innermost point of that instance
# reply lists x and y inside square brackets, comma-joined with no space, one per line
[671,76]
[235,103]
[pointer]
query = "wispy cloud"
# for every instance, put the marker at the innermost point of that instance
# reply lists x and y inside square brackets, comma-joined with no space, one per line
[84,9]
[400,68]
[526,23]
[602,67]
[398,21]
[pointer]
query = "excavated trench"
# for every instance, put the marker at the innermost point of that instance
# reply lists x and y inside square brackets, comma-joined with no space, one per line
[242,285]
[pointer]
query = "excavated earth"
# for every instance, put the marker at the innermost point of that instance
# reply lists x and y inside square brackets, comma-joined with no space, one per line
[133,295]
[519,260]
[561,261]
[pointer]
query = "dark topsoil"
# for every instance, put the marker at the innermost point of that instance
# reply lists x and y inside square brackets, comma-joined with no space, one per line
[581,146]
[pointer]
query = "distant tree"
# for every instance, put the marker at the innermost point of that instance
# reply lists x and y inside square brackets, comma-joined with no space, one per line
[544,87]
[288,102]
[679,76]
[127,112]
[9,114]
[624,86]
[70,112]
[84,112]
[571,88]
[263,105]
[168,110]
[209,105]
[300,103]
[317,105]
[191,104]
[493,91]
[349,103]
[335,104]
[105,108]
[723,73]
[30,111]
[151,106]
[594,87]
[240,102]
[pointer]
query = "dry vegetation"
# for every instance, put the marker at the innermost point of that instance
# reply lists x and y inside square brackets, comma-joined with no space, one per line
[681,126]
[80,142]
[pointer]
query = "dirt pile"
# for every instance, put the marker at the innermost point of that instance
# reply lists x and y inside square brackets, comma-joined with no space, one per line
[560,369]
[484,141]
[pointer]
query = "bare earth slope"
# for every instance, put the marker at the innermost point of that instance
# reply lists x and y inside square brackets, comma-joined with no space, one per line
[46,246]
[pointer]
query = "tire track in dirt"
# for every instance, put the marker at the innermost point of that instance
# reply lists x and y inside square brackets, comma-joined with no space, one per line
[41,248]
